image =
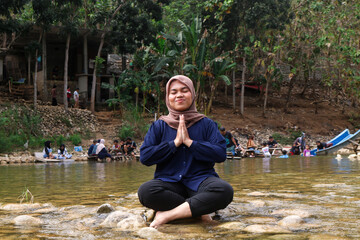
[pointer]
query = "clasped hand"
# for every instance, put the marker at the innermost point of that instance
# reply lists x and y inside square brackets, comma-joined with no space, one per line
[182,135]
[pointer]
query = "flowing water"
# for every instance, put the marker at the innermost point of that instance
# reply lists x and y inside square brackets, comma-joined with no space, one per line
[322,191]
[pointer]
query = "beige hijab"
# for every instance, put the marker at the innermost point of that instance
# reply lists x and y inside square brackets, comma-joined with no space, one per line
[191,115]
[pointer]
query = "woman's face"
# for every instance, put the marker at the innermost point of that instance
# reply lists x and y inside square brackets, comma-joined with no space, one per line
[180,98]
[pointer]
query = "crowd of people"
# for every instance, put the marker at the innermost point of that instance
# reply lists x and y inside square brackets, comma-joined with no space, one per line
[62,152]
[299,146]
[125,147]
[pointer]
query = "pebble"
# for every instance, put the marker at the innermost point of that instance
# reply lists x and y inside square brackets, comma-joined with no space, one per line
[238,226]
[105,208]
[151,233]
[288,212]
[25,220]
[290,221]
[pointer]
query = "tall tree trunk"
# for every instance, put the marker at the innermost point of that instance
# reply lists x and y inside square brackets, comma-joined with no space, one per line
[66,68]
[233,91]
[123,62]
[266,95]
[35,74]
[288,97]
[226,93]
[93,86]
[242,87]
[212,93]
[29,69]
[44,66]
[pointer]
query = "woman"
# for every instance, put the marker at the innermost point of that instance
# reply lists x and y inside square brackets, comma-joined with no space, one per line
[47,151]
[250,145]
[101,151]
[184,145]
[63,153]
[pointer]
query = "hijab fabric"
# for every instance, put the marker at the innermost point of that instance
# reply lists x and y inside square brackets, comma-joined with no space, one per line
[100,146]
[191,115]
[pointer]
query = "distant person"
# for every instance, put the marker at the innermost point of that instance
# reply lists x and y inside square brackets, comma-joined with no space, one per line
[91,148]
[307,151]
[250,145]
[295,149]
[284,154]
[230,141]
[129,147]
[95,147]
[53,96]
[68,95]
[47,151]
[322,145]
[76,98]
[116,148]
[272,143]
[300,142]
[265,150]
[63,153]
[101,151]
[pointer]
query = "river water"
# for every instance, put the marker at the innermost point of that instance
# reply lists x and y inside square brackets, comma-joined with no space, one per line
[323,191]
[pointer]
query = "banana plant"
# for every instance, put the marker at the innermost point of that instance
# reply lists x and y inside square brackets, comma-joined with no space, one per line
[217,72]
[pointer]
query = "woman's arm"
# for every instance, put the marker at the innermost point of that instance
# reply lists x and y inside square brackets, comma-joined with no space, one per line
[211,150]
[153,151]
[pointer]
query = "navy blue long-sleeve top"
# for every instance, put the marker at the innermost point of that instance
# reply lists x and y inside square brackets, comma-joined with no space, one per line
[188,165]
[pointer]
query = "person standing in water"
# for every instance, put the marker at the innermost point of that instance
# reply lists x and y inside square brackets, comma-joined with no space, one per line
[184,145]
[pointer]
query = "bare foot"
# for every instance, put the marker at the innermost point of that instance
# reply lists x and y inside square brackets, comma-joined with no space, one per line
[159,219]
[206,218]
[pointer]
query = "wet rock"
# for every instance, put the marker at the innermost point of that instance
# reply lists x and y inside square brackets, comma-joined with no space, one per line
[114,218]
[151,233]
[326,237]
[20,207]
[291,221]
[105,208]
[261,220]
[131,223]
[25,220]
[265,229]
[238,226]
[258,194]
[149,214]
[257,203]
[3,162]
[288,212]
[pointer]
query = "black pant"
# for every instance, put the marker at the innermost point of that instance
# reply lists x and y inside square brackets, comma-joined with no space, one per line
[213,194]
[54,102]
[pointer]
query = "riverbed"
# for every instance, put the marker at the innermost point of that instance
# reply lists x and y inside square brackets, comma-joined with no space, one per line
[295,198]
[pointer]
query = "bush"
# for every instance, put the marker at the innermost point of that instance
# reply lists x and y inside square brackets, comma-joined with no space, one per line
[134,125]
[126,130]
[75,139]
[287,140]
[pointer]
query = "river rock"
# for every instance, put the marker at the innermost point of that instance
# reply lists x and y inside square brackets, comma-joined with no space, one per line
[151,233]
[3,162]
[20,207]
[258,194]
[25,220]
[131,223]
[290,221]
[335,185]
[288,212]
[265,229]
[105,208]
[261,220]
[238,226]
[114,218]
[257,203]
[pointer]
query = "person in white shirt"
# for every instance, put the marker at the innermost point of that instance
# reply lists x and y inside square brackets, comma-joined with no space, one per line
[265,150]
[76,98]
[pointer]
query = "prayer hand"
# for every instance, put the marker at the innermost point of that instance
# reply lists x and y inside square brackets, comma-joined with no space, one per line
[179,139]
[184,132]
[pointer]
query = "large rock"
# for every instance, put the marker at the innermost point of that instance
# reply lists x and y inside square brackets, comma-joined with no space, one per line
[257,203]
[238,226]
[265,229]
[25,220]
[291,221]
[20,207]
[288,212]
[114,218]
[131,223]
[152,233]
[105,208]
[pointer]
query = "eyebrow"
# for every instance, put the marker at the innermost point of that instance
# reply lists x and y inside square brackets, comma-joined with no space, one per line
[175,89]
